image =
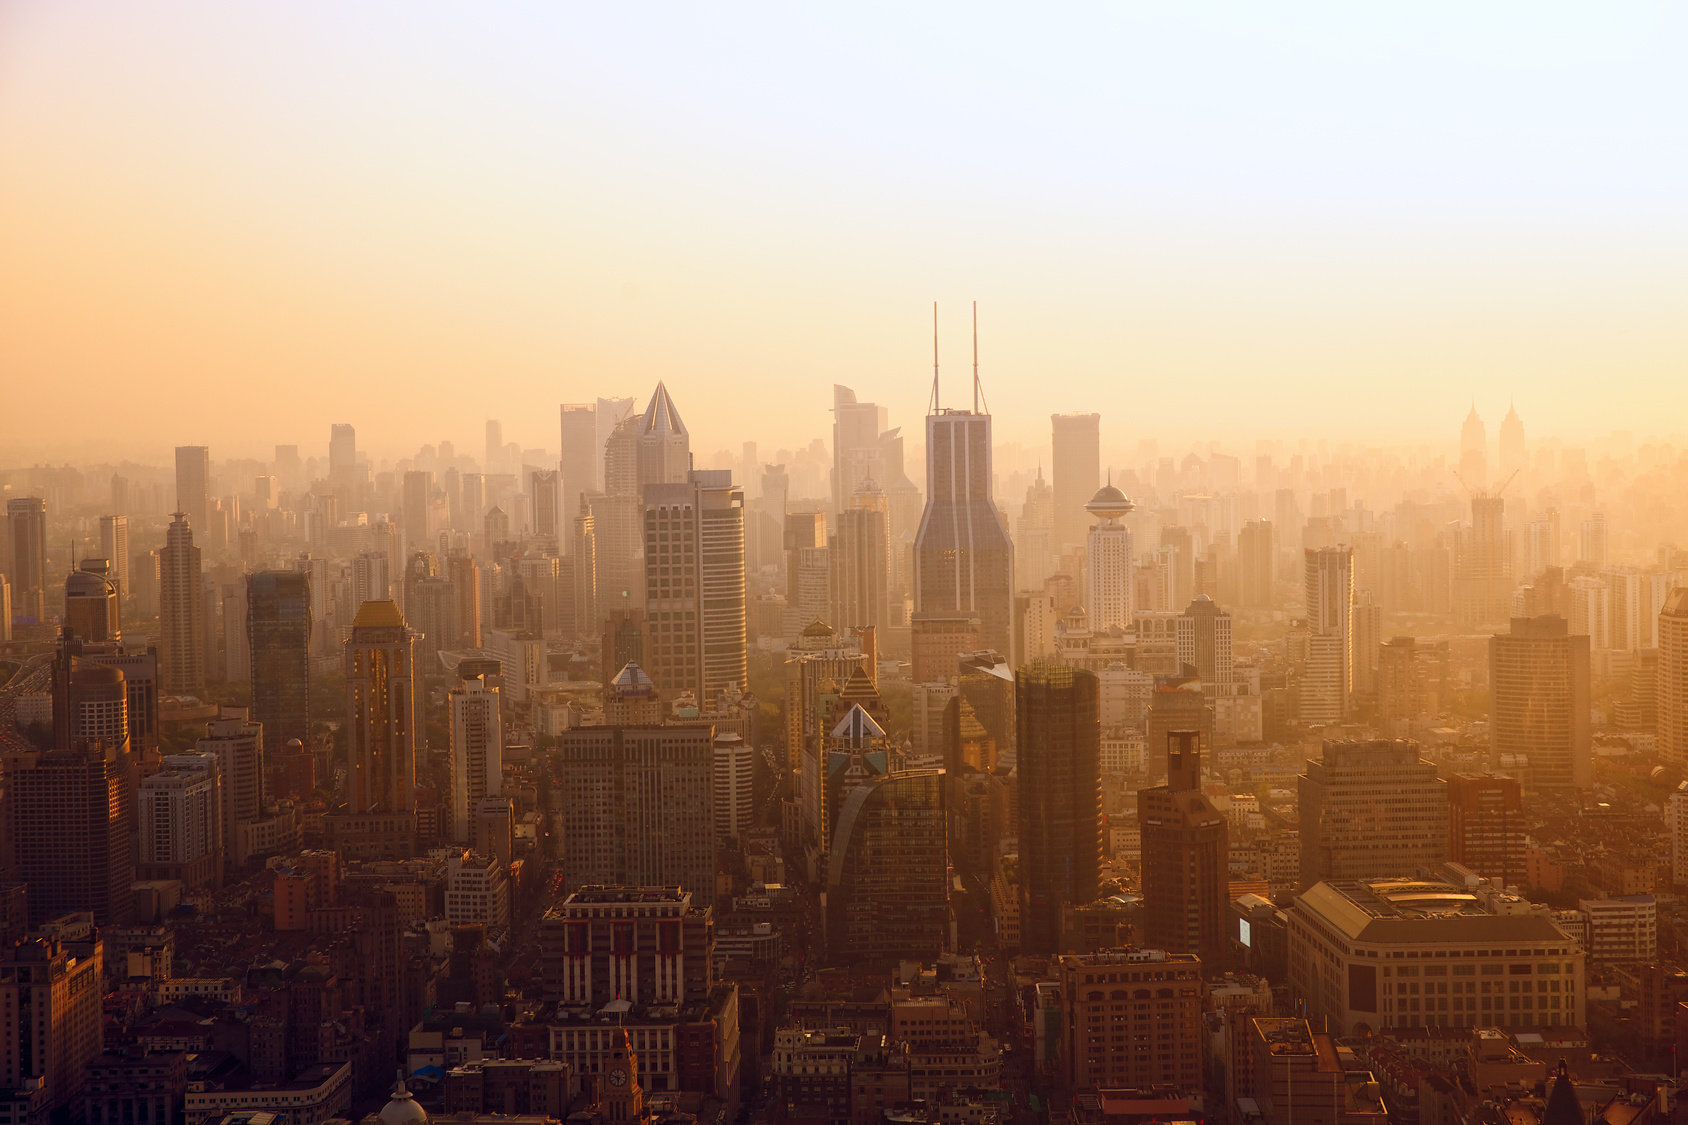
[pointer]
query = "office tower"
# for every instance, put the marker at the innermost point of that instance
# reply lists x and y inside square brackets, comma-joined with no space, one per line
[1186,857]
[1592,540]
[1157,1044]
[51,1033]
[1539,701]
[1077,469]
[1483,584]
[1034,532]
[465,575]
[610,413]
[808,572]
[193,484]
[181,612]
[179,811]
[734,773]
[887,874]
[1257,564]
[860,562]
[580,454]
[418,487]
[494,460]
[1204,641]
[1487,831]
[856,427]
[26,525]
[496,530]
[1371,810]
[91,603]
[279,620]
[237,745]
[1109,552]
[5,609]
[1513,453]
[694,583]
[1179,546]
[1676,822]
[1671,695]
[619,514]
[1060,798]
[430,609]
[1473,451]
[342,457]
[664,446]
[114,548]
[1368,635]
[545,506]
[639,807]
[372,579]
[964,563]
[584,553]
[383,710]
[477,751]
[1328,680]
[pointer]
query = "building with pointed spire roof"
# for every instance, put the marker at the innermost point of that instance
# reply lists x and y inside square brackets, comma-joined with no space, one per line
[1473,451]
[1513,454]
[665,455]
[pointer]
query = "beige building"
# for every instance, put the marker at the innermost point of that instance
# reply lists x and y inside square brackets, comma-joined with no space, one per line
[1131,1020]
[1417,953]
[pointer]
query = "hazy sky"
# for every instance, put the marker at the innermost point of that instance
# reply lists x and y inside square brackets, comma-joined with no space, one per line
[235,223]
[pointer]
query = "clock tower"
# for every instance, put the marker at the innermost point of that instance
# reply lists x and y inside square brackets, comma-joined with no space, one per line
[623,1100]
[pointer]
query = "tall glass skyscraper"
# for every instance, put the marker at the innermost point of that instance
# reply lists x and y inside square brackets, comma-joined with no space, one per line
[278,623]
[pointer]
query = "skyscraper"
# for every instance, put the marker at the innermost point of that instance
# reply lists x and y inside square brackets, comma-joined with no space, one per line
[494,462]
[465,575]
[1539,700]
[383,710]
[856,457]
[237,745]
[1371,810]
[1203,634]
[114,547]
[1328,680]
[181,612]
[694,584]
[477,751]
[1473,451]
[581,456]
[1487,831]
[1671,696]
[1513,453]
[278,626]
[808,572]
[193,484]
[860,560]
[1077,469]
[584,553]
[1109,548]
[26,525]
[1257,564]
[964,562]
[342,460]
[887,874]
[1483,585]
[1034,546]
[1186,860]
[417,489]
[664,445]
[51,1033]
[91,603]
[1058,709]
[545,506]
[180,822]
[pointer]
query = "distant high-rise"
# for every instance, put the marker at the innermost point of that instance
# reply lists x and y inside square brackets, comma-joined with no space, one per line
[342,458]
[91,602]
[1185,860]
[860,560]
[383,710]
[477,751]
[694,584]
[1328,679]
[1513,453]
[1203,634]
[609,413]
[1034,531]
[583,552]
[581,456]
[465,575]
[1058,709]
[179,816]
[26,526]
[808,572]
[1109,548]
[1257,564]
[1487,830]
[1371,810]
[372,579]
[1473,451]
[618,518]
[430,608]
[1483,584]
[964,562]
[1539,701]
[193,484]
[856,427]
[181,612]
[1592,540]
[545,505]
[1077,471]
[1671,695]
[494,462]
[279,616]
[418,489]
[237,744]
[114,547]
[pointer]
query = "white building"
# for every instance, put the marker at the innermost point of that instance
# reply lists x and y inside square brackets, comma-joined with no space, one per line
[1329,678]
[1109,546]
[1126,694]
[180,811]
[238,745]
[477,751]
[1625,928]
[734,768]
[476,890]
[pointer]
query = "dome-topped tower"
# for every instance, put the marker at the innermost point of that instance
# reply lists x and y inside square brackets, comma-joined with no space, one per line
[403,1109]
[1110,504]
[1109,547]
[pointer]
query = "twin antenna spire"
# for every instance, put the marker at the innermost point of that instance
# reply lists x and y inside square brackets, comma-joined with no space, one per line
[979,405]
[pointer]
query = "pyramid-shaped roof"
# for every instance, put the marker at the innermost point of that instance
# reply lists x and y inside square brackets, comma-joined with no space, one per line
[632,678]
[661,416]
[378,613]
[858,726]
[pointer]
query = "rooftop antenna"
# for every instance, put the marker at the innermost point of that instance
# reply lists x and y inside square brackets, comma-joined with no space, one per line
[932,407]
[978,392]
